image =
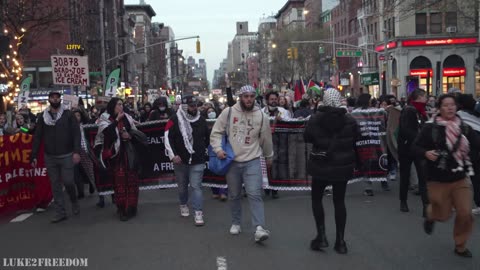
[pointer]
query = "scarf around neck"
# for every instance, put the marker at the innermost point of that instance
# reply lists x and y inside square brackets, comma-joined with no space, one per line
[47,117]
[420,107]
[184,123]
[454,137]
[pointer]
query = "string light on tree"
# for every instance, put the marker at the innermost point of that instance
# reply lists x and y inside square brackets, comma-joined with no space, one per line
[11,66]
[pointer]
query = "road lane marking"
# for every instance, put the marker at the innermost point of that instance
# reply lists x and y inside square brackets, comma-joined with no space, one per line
[21,217]
[221,263]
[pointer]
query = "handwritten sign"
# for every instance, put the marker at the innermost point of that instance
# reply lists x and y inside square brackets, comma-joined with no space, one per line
[70,70]
[70,101]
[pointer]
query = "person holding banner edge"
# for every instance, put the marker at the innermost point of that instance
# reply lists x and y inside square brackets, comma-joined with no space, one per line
[60,133]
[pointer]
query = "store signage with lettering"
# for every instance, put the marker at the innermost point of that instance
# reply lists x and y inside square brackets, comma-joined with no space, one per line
[454,72]
[438,42]
[370,79]
[390,45]
[421,72]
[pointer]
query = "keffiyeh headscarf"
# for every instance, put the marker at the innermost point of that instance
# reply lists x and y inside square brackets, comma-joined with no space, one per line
[184,120]
[246,89]
[332,98]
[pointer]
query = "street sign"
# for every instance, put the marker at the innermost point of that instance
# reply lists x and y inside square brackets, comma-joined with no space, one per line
[349,53]
[321,50]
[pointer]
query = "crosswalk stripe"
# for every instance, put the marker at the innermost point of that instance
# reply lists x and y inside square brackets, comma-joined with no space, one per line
[221,263]
[21,217]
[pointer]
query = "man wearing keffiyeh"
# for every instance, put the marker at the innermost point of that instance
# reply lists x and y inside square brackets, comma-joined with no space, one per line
[186,138]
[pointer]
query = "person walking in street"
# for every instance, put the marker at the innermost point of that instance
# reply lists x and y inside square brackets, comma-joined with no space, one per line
[412,118]
[250,136]
[446,144]
[333,134]
[471,117]
[59,131]
[279,167]
[118,158]
[186,138]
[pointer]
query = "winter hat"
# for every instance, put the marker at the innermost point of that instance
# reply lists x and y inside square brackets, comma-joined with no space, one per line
[332,98]
[187,100]
[246,89]
[454,90]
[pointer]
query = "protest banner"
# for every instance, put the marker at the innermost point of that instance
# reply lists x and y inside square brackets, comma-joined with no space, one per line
[22,187]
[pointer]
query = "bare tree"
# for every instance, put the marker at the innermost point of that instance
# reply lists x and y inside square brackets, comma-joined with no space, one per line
[307,64]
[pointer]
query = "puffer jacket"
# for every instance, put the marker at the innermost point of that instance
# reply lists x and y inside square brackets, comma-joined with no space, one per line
[333,131]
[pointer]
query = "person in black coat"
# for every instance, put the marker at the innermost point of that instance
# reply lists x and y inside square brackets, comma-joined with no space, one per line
[446,144]
[411,121]
[333,133]
[160,110]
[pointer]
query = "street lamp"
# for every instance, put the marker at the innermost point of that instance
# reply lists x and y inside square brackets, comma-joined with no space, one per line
[274,46]
[305,12]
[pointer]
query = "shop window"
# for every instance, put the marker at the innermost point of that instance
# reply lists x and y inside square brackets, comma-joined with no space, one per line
[45,79]
[457,82]
[435,23]
[421,23]
[477,83]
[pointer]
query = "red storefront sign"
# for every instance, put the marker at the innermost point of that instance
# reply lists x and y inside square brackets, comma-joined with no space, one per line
[421,72]
[454,72]
[390,45]
[438,42]
[447,72]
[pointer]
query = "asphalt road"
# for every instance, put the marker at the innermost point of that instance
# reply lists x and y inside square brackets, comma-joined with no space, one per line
[378,236]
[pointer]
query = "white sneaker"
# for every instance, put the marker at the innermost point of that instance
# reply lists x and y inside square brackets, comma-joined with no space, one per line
[184,212]
[261,234]
[476,211]
[199,218]
[235,229]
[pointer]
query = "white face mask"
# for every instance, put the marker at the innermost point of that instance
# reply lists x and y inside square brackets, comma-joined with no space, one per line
[162,108]
[212,115]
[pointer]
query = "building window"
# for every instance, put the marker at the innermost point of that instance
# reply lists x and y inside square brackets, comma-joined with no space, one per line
[376,31]
[299,13]
[451,19]
[139,18]
[393,27]
[421,23]
[435,23]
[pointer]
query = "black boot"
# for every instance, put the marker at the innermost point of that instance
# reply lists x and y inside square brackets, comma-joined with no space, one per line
[404,206]
[320,241]
[101,202]
[340,245]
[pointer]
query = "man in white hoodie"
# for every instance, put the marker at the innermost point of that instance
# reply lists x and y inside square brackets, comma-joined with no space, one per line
[250,136]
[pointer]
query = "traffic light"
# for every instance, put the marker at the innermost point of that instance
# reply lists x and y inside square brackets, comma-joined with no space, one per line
[290,53]
[334,62]
[295,53]
[198,46]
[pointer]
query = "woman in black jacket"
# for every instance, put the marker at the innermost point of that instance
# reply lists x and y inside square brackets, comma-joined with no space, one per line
[446,144]
[333,134]
[412,118]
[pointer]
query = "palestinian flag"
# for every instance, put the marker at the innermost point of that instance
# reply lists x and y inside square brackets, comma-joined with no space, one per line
[312,86]
[257,89]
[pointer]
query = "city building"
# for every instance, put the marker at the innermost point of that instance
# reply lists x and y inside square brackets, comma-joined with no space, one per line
[142,15]
[312,13]
[291,15]
[434,48]
[266,31]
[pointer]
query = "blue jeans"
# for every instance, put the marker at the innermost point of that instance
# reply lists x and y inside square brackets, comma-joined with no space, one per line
[250,174]
[193,174]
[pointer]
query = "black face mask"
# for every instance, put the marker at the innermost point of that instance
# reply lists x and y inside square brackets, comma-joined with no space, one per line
[55,105]
[192,113]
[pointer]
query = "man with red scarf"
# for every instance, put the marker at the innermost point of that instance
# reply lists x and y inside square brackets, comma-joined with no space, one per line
[412,118]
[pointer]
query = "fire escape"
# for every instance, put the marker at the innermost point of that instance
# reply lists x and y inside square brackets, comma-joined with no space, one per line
[367,39]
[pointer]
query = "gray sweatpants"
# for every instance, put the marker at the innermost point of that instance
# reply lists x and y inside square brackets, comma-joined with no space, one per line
[60,172]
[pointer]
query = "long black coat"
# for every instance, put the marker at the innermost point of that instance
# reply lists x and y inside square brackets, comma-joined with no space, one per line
[334,131]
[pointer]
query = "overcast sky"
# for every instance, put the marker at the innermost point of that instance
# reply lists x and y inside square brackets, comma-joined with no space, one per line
[213,20]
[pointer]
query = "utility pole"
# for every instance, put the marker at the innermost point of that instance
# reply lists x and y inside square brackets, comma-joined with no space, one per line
[102,44]
[387,60]
[115,27]
[334,54]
